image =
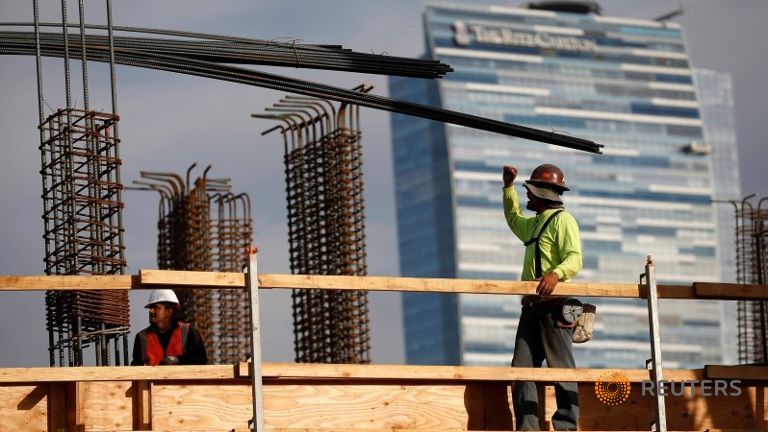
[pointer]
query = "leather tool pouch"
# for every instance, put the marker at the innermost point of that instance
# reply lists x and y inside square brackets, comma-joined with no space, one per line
[585,324]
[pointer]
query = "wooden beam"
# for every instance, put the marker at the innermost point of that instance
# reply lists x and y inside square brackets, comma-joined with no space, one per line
[193,278]
[455,286]
[728,291]
[335,429]
[148,279]
[745,373]
[403,284]
[142,405]
[116,373]
[63,283]
[57,406]
[324,371]
[450,373]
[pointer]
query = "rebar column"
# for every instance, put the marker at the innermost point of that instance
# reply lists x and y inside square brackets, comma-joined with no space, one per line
[202,226]
[751,265]
[82,232]
[82,213]
[326,227]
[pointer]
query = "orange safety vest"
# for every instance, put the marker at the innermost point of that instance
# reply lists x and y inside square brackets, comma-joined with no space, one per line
[151,349]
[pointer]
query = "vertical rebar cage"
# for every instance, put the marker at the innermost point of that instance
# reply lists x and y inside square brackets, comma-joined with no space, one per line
[202,226]
[751,268]
[326,228]
[231,235]
[83,232]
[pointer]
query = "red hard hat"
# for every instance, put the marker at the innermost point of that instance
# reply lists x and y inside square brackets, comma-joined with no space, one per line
[548,175]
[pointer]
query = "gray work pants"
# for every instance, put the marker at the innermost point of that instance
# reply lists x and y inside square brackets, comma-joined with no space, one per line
[538,338]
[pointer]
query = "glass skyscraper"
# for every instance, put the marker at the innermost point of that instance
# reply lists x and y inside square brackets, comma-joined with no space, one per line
[716,101]
[621,82]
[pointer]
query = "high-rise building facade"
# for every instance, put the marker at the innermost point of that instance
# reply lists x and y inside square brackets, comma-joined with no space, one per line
[715,95]
[621,82]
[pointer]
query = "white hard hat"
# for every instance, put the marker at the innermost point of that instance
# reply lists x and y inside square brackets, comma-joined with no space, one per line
[162,296]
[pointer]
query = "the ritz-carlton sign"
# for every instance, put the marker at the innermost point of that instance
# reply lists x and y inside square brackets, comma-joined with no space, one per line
[463,33]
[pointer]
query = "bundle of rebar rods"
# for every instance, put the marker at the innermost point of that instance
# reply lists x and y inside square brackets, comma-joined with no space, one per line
[220,67]
[240,51]
[326,227]
[202,226]
[752,268]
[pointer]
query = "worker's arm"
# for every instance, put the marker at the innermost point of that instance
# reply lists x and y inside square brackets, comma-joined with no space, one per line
[519,224]
[194,352]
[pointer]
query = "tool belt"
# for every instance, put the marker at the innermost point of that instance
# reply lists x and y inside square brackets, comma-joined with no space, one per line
[586,324]
[568,312]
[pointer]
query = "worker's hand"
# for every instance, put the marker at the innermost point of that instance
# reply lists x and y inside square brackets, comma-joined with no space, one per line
[169,361]
[509,174]
[547,284]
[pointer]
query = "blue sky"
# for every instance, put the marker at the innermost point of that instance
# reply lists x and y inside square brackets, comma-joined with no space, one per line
[169,121]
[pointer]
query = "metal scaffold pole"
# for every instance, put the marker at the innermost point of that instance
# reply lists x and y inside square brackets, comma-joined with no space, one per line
[653,320]
[257,422]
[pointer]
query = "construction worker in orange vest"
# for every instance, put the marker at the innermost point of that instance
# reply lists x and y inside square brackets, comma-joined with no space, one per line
[167,341]
[552,254]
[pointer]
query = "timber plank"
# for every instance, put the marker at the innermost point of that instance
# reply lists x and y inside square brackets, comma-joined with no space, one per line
[465,286]
[63,283]
[142,405]
[403,284]
[57,406]
[323,371]
[473,373]
[729,291]
[422,430]
[453,286]
[745,373]
[148,279]
[192,278]
[116,373]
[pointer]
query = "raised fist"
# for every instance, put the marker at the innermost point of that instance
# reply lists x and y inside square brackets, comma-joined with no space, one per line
[509,174]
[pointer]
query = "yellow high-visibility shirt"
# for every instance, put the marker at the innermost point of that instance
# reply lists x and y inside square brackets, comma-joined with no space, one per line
[560,244]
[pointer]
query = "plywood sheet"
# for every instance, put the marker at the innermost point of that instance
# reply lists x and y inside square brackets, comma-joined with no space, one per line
[24,408]
[684,412]
[369,406]
[105,405]
[200,406]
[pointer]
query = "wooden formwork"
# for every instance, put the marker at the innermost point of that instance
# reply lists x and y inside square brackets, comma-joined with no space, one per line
[315,397]
[344,397]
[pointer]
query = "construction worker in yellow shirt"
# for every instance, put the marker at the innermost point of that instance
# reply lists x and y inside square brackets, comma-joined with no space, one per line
[552,254]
